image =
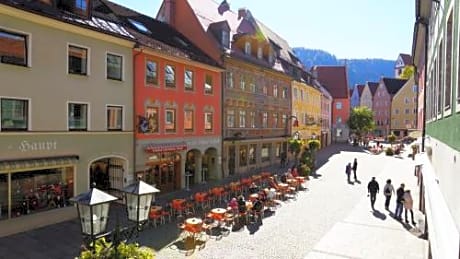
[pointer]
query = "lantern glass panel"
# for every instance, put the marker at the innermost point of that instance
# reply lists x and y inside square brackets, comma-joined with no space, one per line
[145,201]
[131,204]
[144,208]
[98,219]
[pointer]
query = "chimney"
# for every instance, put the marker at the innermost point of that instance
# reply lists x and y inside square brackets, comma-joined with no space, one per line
[242,13]
[223,7]
[168,14]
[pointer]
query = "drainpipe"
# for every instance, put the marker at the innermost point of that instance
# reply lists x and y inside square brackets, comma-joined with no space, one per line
[425,23]
[136,47]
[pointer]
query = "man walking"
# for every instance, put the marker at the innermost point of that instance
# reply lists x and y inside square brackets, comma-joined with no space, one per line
[388,190]
[373,189]
[348,171]
[399,202]
[355,166]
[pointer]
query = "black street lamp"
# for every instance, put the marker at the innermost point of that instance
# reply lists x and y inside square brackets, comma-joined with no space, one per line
[138,198]
[93,210]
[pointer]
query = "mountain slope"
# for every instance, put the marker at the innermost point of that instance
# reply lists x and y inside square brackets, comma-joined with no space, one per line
[359,70]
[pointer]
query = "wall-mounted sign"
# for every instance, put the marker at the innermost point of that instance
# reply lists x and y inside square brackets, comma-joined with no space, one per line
[25,145]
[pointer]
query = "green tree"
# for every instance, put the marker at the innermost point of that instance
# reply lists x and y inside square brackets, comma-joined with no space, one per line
[391,139]
[361,121]
[407,72]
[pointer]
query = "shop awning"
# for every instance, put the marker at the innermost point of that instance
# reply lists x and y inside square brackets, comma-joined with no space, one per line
[18,164]
[165,147]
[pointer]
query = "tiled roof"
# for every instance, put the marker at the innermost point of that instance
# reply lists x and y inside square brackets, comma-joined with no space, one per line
[158,35]
[286,51]
[406,58]
[360,89]
[207,12]
[100,20]
[393,84]
[333,78]
[373,87]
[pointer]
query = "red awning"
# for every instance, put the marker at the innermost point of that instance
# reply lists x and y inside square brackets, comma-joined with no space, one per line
[165,147]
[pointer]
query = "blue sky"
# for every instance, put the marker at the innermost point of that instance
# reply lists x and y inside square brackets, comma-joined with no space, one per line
[345,28]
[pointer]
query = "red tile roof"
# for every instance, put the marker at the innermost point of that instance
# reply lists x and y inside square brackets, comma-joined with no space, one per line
[334,79]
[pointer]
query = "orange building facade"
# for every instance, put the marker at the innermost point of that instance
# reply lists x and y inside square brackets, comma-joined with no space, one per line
[178,122]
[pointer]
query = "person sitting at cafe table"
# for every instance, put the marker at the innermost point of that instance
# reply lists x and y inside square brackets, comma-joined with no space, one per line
[233,204]
[253,188]
[257,208]
[284,177]
[272,183]
[241,204]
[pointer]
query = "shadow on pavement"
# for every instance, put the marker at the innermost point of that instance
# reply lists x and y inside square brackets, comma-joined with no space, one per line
[379,215]
[324,154]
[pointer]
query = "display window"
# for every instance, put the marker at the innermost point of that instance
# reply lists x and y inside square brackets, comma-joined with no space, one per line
[35,191]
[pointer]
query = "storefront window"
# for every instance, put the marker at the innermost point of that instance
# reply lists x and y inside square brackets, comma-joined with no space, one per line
[265,154]
[252,154]
[278,150]
[40,190]
[243,155]
[3,196]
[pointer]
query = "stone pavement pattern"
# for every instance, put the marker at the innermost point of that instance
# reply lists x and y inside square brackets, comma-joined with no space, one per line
[331,220]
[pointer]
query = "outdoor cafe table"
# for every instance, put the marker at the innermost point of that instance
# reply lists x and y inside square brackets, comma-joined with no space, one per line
[193,226]
[218,213]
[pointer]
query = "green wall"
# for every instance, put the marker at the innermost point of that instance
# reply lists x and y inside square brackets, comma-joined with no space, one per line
[446,130]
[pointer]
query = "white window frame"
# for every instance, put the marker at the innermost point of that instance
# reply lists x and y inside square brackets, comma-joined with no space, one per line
[29,45]
[247,48]
[338,106]
[260,53]
[193,120]
[206,83]
[122,66]
[193,80]
[88,59]
[29,110]
[230,114]
[147,84]
[88,127]
[206,120]
[242,119]
[174,120]
[122,116]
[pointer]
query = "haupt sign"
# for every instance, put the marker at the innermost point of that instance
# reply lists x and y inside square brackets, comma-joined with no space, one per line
[25,145]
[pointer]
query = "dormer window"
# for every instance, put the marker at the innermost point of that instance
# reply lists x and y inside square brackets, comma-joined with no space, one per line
[247,48]
[270,57]
[225,40]
[78,7]
[259,53]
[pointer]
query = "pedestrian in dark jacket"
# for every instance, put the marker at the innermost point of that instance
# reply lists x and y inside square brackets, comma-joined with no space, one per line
[399,202]
[348,171]
[373,189]
[355,166]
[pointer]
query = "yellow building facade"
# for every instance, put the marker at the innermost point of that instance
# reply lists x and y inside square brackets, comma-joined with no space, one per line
[306,106]
[404,109]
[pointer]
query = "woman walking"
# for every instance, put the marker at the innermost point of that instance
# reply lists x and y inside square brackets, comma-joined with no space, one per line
[388,190]
[408,205]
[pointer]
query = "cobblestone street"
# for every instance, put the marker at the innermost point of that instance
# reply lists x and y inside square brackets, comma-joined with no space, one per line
[331,220]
